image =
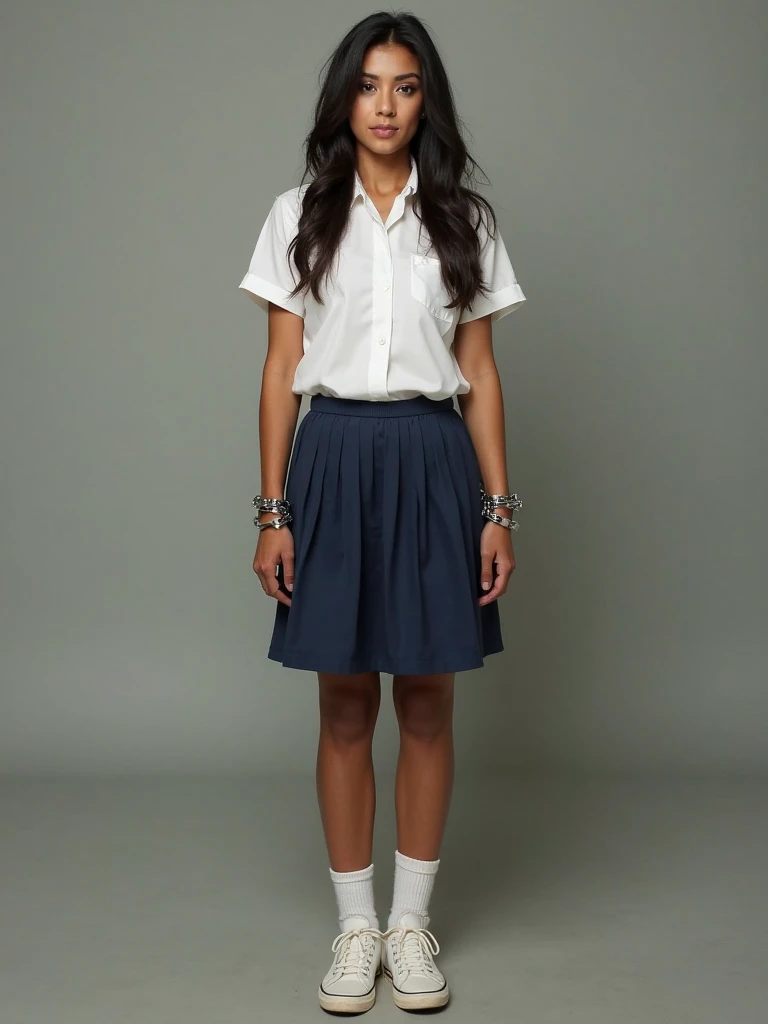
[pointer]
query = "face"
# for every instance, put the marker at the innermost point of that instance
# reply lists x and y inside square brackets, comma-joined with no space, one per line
[389,93]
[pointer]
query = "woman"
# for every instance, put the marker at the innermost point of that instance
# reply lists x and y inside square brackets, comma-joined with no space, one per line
[384,543]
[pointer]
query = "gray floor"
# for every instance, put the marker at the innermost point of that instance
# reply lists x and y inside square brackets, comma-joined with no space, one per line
[160,902]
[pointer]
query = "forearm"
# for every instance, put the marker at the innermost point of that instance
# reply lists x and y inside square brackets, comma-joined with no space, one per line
[278,414]
[482,409]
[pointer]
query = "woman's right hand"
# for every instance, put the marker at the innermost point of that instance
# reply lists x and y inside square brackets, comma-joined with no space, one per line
[274,546]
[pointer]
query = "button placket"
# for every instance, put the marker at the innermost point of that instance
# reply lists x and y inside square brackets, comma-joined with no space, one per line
[382,312]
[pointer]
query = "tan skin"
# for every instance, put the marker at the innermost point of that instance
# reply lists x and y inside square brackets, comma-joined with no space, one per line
[390,92]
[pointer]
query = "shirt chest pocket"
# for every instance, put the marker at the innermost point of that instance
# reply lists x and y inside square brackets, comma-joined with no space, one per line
[427,286]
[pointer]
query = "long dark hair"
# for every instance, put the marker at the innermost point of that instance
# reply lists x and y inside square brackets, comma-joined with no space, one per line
[444,205]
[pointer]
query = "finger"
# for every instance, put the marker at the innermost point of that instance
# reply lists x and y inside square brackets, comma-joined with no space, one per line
[270,585]
[486,569]
[288,571]
[276,590]
[499,586]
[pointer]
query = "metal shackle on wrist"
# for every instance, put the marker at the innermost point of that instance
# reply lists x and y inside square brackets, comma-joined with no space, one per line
[280,505]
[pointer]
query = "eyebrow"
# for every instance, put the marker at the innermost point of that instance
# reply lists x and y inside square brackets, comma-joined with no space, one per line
[398,78]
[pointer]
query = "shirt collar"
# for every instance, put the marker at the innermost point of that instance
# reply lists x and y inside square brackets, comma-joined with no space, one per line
[408,189]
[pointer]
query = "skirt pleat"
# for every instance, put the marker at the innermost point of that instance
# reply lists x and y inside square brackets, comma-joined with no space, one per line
[387,517]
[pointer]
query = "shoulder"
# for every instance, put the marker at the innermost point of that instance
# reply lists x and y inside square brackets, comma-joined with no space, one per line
[484,221]
[289,202]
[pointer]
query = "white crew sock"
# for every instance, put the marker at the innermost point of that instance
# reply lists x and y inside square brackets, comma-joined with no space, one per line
[414,881]
[354,896]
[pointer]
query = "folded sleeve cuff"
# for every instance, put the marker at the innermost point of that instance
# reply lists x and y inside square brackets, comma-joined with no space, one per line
[498,304]
[263,292]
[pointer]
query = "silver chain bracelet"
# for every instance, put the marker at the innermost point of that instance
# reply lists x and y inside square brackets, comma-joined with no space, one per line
[493,501]
[272,505]
[490,503]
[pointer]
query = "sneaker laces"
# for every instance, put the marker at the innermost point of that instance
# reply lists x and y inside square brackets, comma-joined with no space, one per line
[416,944]
[352,952]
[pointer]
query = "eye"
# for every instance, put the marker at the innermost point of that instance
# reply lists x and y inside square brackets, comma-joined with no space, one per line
[412,88]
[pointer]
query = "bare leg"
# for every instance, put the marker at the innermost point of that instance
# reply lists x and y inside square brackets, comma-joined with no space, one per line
[425,767]
[346,790]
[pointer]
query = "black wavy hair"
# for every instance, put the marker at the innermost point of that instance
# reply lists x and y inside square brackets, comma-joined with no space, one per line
[443,203]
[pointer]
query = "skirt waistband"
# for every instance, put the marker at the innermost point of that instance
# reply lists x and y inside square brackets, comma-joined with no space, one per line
[363,407]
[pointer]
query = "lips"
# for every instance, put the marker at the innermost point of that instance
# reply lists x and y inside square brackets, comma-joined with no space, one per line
[383,130]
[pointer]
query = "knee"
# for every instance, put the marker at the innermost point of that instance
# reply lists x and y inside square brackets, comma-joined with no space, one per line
[424,708]
[348,712]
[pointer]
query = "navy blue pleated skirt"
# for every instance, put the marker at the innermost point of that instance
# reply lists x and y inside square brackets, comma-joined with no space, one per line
[387,517]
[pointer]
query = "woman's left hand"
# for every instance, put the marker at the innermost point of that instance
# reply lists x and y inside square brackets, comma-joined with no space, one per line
[495,546]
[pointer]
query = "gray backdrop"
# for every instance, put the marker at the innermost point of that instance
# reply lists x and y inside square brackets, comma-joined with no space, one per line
[141,147]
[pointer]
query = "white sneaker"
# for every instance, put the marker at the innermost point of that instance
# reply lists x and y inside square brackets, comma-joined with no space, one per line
[350,984]
[407,953]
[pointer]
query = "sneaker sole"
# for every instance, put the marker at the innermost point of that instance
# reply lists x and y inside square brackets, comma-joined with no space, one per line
[417,1000]
[348,1004]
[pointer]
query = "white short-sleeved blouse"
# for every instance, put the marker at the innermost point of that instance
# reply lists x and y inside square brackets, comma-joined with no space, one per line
[383,332]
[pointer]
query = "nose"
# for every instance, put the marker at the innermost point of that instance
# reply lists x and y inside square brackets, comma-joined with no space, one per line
[386,106]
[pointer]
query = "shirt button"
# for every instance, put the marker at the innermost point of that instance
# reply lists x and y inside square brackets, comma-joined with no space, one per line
[382,341]
[386,287]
